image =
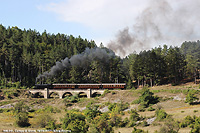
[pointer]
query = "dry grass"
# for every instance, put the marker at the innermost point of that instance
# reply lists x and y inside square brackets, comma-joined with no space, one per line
[178,109]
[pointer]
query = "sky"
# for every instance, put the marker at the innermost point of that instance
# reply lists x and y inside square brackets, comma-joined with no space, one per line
[122,25]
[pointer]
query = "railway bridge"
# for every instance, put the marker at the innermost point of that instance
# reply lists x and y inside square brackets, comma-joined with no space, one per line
[62,92]
[73,89]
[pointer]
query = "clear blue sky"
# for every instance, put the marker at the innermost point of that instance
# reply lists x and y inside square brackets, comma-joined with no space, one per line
[151,22]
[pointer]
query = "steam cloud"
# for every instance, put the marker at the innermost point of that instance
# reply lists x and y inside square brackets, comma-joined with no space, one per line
[79,60]
[163,21]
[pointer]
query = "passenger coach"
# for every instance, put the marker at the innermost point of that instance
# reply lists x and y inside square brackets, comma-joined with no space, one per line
[82,86]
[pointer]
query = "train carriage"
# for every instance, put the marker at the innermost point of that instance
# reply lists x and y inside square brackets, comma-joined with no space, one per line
[91,86]
[81,86]
[113,86]
[64,86]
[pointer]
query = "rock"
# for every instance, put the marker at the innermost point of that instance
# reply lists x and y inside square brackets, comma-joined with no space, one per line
[8,106]
[105,109]
[151,120]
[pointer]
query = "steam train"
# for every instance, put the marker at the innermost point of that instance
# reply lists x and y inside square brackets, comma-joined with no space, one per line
[81,86]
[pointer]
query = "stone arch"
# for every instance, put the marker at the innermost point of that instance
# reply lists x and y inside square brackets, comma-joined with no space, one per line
[96,94]
[82,94]
[38,95]
[67,94]
[54,95]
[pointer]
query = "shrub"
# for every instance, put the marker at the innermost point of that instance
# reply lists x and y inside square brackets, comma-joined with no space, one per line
[170,126]
[74,98]
[146,98]
[151,109]
[91,112]
[22,120]
[141,108]
[135,130]
[106,91]
[20,107]
[125,122]
[191,97]
[144,124]
[134,116]
[102,123]
[187,121]
[43,121]
[161,114]
[195,125]
[51,125]
[116,120]
[118,107]
[75,122]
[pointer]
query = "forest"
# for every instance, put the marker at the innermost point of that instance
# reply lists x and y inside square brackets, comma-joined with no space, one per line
[26,54]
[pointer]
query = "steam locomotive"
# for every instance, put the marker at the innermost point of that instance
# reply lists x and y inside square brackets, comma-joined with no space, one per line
[82,86]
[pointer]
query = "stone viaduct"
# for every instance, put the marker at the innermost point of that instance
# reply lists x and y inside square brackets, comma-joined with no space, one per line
[61,92]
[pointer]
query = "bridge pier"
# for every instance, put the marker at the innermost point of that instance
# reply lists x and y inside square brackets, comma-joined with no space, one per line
[89,93]
[60,95]
[46,93]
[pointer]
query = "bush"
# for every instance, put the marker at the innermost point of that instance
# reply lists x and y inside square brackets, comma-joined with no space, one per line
[187,121]
[170,126]
[116,120]
[102,123]
[161,114]
[191,97]
[75,122]
[141,107]
[151,109]
[106,91]
[91,112]
[125,122]
[195,125]
[144,124]
[21,107]
[146,98]
[22,120]
[133,114]
[44,121]
[118,107]
[135,130]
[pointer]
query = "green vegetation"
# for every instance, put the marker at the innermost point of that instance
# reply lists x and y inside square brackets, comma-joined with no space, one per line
[21,111]
[75,122]
[24,54]
[44,121]
[161,114]
[191,97]
[135,130]
[145,99]
[170,126]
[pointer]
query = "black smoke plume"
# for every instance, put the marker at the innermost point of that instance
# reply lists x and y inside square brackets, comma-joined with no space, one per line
[79,60]
[163,21]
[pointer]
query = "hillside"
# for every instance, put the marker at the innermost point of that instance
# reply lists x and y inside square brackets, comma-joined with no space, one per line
[171,99]
[28,57]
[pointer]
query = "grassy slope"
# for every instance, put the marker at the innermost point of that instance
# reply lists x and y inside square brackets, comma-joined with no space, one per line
[178,109]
